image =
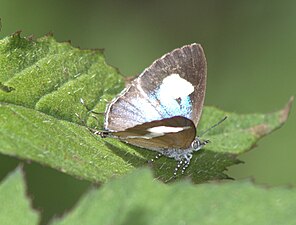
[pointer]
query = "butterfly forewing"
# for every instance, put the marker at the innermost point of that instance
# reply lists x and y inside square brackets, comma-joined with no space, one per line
[172,133]
[131,109]
[173,85]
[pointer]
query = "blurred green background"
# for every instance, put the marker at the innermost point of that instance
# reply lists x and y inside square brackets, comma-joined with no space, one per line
[250,48]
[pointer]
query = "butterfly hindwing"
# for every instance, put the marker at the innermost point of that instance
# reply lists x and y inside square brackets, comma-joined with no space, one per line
[173,85]
[176,132]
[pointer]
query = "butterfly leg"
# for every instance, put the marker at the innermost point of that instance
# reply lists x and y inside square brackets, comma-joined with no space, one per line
[186,162]
[179,164]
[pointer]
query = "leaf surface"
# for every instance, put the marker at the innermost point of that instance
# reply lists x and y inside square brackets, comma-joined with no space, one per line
[41,84]
[138,199]
[15,207]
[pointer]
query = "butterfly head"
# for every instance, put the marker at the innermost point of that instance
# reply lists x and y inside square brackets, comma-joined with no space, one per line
[197,144]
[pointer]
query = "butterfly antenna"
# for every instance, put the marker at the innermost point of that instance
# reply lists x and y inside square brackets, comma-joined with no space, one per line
[155,158]
[102,134]
[88,109]
[81,119]
[210,128]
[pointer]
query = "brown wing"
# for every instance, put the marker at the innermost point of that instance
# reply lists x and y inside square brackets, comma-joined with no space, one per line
[176,132]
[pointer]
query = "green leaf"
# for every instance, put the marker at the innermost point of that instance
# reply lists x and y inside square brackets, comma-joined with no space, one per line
[41,84]
[15,207]
[138,199]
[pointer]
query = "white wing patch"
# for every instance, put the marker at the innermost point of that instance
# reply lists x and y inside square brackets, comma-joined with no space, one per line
[165,129]
[173,86]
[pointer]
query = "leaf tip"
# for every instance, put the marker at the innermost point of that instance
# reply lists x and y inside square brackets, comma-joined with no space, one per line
[286,110]
[265,128]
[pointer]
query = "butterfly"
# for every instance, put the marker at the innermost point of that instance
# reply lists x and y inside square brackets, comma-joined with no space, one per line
[161,108]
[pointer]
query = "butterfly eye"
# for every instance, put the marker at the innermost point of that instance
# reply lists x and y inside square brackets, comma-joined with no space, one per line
[196,144]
